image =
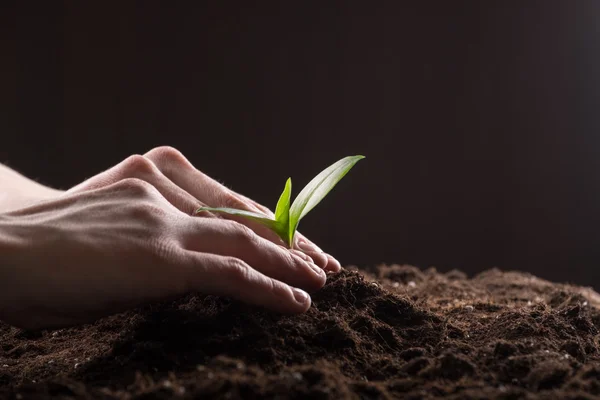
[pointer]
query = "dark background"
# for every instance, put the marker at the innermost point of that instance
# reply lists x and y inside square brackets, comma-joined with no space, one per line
[479,120]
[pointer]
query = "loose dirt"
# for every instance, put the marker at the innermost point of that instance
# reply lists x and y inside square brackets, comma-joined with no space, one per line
[389,332]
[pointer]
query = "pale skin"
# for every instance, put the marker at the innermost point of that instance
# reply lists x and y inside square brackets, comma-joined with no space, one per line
[128,236]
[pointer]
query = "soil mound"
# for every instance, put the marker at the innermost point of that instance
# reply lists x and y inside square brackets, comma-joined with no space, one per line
[387,332]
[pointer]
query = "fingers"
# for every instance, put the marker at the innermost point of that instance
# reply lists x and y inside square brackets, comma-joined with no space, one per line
[182,173]
[333,265]
[142,168]
[324,260]
[228,238]
[229,276]
[139,167]
[327,262]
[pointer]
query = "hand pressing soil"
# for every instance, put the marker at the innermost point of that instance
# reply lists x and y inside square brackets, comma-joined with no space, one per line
[388,332]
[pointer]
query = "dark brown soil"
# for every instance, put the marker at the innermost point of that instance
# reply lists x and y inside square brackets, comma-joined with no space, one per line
[392,332]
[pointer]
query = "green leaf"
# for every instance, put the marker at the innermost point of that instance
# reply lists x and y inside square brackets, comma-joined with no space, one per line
[316,190]
[278,228]
[288,217]
[282,211]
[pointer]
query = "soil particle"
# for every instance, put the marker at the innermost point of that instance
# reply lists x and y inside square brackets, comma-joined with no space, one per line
[383,333]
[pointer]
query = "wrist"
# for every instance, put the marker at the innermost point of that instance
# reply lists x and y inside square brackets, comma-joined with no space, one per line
[18,191]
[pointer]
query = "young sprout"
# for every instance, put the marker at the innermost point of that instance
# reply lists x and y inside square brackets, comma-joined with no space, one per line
[288,217]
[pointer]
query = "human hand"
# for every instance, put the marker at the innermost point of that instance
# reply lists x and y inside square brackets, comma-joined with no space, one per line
[187,188]
[115,242]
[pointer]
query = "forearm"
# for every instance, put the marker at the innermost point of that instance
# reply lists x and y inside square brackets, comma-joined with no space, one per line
[18,191]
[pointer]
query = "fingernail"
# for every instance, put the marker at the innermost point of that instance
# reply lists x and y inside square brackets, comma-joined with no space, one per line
[300,295]
[308,247]
[335,264]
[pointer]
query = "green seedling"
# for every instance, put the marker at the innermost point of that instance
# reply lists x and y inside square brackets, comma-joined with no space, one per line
[288,217]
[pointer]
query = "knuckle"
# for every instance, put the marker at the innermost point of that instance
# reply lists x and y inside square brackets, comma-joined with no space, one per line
[237,269]
[146,211]
[164,247]
[138,166]
[136,187]
[289,259]
[170,156]
[240,233]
